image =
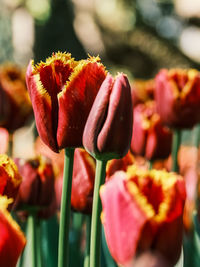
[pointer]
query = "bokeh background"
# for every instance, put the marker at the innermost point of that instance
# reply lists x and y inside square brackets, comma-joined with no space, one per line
[136,36]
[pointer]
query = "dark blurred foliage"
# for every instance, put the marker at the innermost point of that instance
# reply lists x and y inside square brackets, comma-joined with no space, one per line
[149,43]
[57,34]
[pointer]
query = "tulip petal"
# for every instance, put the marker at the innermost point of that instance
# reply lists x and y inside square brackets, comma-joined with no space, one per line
[12,241]
[76,99]
[42,107]
[122,218]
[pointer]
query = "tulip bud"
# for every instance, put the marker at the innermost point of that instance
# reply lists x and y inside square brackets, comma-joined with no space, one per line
[108,130]
[62,92]
[150,138]
[12,240]
[142,210]
[177,96]
[10,178]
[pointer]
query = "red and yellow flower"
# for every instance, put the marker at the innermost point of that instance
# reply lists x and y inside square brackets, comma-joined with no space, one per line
[150,138]
[62,92]
[142,210]
[177,96]
[12,240]
[10,179]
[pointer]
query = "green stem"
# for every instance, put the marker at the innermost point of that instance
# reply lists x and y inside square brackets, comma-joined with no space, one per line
[150,164]
[32,231]
[88,236]
[63,245]
[175,148]
[95,243]
[38,241]
[197,136]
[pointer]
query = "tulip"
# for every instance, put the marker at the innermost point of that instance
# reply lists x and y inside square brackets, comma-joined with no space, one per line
[142,210]
[108,131]
[4,140]
[107,135]
[37,187]
[12,240]
[150,138]
[178,97]
[142,91]
[62,92]
[14,98]
[10,178]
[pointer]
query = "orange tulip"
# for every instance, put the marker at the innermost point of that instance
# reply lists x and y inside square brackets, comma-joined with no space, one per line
[15,104]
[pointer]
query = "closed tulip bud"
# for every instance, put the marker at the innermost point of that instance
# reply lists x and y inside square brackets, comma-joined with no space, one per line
[108,130]
[14,98]
[12,240]
[37,187]
[142,210]
[62,92]
[150,138]
[10,179]
[178,97]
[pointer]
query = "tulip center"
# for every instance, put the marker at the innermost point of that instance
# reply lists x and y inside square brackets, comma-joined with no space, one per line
[180,80]
[152,191]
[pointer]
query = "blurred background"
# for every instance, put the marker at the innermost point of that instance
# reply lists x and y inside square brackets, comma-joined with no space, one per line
[136,36]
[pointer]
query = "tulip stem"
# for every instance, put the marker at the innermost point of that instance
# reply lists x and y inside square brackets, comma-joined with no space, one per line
[63,245]
[175,148]
[197,136]
[95,243]
[150,164]
[88,236]
[38,241]
[32,229]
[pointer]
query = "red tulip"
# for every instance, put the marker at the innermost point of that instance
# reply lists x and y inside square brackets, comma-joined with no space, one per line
[82,182]
[142,210]
[10,178]
[142,91]
[62,92]
[178,97]
[108,130]
[12,240]
[150,138]
[37,187]
[15,104]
